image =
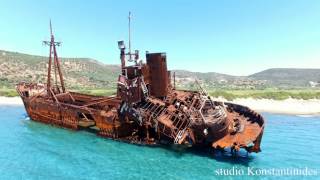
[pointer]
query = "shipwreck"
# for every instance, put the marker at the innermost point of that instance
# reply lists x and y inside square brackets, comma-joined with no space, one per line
[147,109]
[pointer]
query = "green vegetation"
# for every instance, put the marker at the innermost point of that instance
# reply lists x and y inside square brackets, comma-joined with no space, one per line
[288,77]
[98,92]
[267,94]
[8,92]
[78,72]
[227,94]
[89,76]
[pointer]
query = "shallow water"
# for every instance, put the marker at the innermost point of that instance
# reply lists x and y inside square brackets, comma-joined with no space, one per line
[31,150]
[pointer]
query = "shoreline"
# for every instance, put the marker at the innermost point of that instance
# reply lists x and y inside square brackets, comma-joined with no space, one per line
[288,106]
[11,101]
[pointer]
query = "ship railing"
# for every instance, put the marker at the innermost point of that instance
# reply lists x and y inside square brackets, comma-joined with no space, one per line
[220,111]
[180,123]
[202,91]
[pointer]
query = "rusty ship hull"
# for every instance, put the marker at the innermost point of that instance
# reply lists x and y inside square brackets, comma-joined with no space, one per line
[241,128]
[147,109]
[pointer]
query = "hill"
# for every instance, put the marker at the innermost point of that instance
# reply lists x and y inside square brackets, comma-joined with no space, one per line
[212,80]
[86,73]
[78,72]
[289,77]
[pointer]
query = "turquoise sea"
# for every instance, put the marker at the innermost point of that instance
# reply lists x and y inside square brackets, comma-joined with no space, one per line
[31,150]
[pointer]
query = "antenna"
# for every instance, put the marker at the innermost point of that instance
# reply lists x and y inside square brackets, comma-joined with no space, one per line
[129,35]
[128,56]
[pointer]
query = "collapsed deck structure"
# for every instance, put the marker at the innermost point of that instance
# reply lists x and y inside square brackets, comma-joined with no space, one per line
[147,108]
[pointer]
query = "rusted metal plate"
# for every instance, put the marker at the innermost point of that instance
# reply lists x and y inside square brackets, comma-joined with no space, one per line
[157,63]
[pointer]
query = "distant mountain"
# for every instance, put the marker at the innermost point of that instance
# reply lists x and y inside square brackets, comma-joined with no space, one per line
[210,76]
[288,77]
[215,80]
[82,73]
[78,72]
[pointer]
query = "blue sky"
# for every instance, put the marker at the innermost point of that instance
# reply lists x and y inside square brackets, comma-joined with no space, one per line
[236,37]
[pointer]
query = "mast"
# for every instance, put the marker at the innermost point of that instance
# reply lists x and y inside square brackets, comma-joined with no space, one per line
[52,44]
[50,60]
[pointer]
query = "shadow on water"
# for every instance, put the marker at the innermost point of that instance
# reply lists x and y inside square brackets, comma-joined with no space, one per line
[241,158]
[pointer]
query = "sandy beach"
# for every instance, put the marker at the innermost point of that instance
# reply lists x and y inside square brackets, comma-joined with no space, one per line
[10,101]
[288,106]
